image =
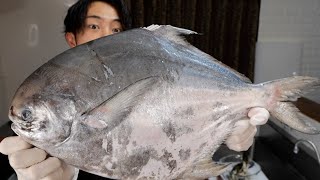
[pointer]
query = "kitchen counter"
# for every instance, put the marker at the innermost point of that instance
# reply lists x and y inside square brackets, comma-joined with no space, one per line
[274,153]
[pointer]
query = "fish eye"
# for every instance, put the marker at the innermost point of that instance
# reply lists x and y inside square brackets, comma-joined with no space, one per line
[26,115]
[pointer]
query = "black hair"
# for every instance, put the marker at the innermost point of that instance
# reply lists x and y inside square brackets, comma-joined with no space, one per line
[75,18]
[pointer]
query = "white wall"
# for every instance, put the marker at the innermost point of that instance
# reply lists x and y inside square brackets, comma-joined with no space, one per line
[20,52]
[2,91]
[294,21]
[289,39]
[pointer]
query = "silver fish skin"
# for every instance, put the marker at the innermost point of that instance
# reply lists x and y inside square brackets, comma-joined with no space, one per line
[144,104]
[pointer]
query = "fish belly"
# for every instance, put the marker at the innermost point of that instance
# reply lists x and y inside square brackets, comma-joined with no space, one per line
[171,129]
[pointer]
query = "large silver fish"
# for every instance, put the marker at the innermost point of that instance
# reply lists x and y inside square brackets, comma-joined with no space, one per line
[143,104]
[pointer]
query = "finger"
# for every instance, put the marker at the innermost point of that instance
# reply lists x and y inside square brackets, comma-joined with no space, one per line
[27,157]
[258,116]
[240,127]
[64,172]
[238,141]
[44,168]
[248,133]
[12,144]
[69,172]
[55,175]
[237,138]
[243,146]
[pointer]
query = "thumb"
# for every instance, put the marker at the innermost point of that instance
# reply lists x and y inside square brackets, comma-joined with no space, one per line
[258,116]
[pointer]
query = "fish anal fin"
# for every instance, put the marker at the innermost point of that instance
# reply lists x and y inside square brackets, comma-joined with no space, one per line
[113,111]
[206,169]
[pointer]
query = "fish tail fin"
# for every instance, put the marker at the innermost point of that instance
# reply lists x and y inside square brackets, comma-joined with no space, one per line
[286,90]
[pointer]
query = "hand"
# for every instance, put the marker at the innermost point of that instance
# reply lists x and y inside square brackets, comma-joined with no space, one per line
[244,131]
[31,163]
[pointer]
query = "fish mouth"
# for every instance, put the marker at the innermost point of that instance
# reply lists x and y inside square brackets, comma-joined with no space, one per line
[16,128]
[21,131]
[17,123]
[21,125]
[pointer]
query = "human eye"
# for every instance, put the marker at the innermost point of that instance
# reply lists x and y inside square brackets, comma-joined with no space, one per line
[116,30]
[93,26]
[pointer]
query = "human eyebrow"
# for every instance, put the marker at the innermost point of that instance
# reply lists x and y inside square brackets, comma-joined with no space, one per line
[99,17]
[94,16]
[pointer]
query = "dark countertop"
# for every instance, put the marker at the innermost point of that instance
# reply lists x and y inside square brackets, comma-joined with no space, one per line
[274,153]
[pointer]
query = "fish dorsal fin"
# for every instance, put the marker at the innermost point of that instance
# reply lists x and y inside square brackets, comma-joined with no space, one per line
[113,111]
[176,34]
[170,32]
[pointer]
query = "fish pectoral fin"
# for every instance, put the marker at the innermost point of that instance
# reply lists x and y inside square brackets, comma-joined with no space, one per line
[95,123]
[113,111]
[206,169]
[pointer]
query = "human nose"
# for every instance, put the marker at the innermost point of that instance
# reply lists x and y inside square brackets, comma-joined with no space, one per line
[106,32]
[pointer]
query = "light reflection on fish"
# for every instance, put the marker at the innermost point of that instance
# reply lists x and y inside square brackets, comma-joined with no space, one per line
[144,104]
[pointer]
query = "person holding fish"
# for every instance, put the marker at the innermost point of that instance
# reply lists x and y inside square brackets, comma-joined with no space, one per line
[88,20]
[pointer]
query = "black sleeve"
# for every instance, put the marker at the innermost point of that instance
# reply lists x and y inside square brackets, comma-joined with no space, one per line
[87,176]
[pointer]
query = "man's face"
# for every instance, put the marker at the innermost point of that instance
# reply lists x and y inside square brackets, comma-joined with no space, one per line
[101,20]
